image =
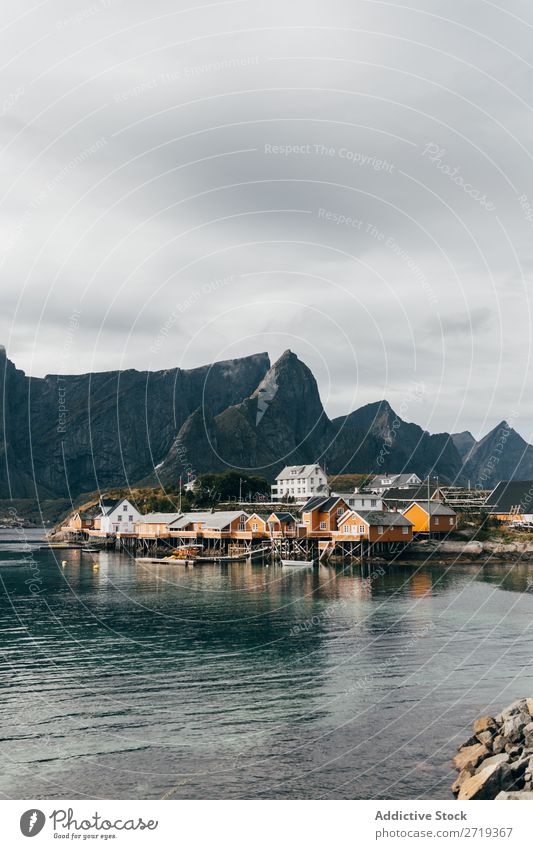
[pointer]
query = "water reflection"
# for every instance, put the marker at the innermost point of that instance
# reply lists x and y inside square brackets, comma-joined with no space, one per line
[233,680]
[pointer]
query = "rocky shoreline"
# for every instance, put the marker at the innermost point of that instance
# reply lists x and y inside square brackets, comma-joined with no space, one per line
[468,551]
[497,761]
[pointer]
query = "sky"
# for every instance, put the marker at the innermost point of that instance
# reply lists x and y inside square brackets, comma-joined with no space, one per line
[188,182]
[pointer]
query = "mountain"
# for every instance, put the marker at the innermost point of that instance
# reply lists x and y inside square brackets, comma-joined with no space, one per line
[374,438]
[281,422]
[501,455]
[464,442]
[63,435]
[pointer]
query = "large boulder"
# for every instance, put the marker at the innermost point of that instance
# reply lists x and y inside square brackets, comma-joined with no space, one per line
[484,723]
[498,758]
[487,783]
[470,756]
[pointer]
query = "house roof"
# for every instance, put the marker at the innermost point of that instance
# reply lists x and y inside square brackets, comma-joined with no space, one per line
[284,517]
[511,497]
[377,517]
[319,501]
[217,520]
[159,518]
[107,505]
[396,480]
[436,508]
[396,495]
[299,471]
[260,516]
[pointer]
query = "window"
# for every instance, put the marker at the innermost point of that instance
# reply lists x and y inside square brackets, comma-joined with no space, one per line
[119,517]
[372,502]
[130,518]
[380,529]
[346,529]
[255,526]
[405,529]
[451,520]
[125,507]
[436,520]
[322,526]
[340,511]
[361,529]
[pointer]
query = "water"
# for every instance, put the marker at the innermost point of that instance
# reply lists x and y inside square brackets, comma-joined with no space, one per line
[132,681]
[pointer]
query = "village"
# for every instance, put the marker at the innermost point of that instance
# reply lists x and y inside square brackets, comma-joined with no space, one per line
[305,521]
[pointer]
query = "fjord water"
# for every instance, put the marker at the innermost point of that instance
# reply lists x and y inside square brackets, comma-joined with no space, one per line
[123,680]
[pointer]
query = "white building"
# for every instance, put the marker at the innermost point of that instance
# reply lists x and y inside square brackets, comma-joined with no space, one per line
[118,516]
[382,482]
[361,500]
[300,483]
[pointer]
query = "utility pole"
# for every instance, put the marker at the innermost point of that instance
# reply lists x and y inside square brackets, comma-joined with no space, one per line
[179,508]
[429,514]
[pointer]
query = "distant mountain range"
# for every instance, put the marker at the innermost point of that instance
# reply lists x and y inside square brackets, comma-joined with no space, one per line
[62,436]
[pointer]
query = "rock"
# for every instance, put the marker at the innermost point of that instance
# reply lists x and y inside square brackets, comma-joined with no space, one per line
[485,737]
[484,723]
[484,784]
[513,727]
[468,772]
[510,710]
[503,758]
[500,548]
[529,705]
[498,744]
[513,750]
[515,794]
[470,756]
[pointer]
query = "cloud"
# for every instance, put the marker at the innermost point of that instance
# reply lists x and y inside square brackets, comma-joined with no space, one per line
[362,174]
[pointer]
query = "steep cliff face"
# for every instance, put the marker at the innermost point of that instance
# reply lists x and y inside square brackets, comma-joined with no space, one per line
[281,422]
[501,455]
[61,436]
[464,442]
[71,434]
[374,438]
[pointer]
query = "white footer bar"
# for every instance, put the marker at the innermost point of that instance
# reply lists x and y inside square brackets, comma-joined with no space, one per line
[266,824]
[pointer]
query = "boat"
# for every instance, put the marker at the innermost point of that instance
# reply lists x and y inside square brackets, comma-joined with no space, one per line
[186,551]
[92,550]
[302,563]
[173,561]
[222,558]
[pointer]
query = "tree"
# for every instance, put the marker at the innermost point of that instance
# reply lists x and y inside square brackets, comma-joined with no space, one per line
[211,488]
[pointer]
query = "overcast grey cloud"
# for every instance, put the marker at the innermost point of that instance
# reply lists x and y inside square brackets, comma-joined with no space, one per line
[352,180]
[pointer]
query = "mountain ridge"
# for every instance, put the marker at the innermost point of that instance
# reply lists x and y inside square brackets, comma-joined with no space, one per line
[132,427]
